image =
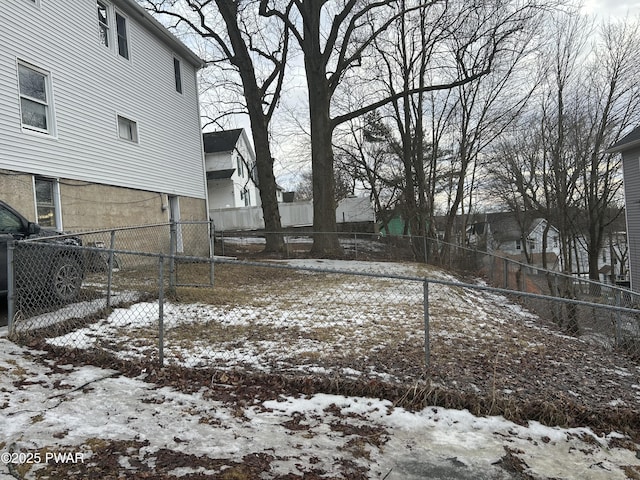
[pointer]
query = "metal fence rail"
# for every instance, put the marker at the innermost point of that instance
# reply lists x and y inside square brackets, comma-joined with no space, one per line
[65,279]
[498,271]
[405,327]
[130,304]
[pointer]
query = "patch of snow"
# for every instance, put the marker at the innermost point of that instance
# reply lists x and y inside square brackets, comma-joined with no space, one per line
[43,407]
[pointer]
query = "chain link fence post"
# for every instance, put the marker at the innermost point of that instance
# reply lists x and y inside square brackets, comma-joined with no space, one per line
[112,246]
[173,245]
[618,319]
[161,310]
[212,246]
[11,290]
[425,300]
[424,246]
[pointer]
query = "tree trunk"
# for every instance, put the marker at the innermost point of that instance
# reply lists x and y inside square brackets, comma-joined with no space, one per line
[325,240]
[545,245]
[259,127]
[594,247]
[267,186]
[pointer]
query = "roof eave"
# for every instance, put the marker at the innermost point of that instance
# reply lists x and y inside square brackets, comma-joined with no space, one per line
[623,147]
[165,35]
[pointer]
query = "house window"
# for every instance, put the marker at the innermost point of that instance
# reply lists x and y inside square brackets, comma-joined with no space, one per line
[531,243]
[127,129]
[35,107]
[121,30]
[245,195]
[240,169]
[177,75]
[47,202]
[518,245]
[103,23]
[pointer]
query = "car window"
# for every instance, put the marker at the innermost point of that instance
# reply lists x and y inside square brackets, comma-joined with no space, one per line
[9,222]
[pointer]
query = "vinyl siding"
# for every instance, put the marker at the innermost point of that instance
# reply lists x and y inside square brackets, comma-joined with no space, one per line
[91,86]
[224,194]
[219,161]
[631,167]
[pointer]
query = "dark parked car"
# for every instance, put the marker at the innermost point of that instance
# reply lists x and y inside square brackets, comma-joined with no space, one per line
[48,268]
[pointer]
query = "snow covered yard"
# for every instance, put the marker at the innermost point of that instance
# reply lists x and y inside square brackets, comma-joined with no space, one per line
[123,423]
[275,374]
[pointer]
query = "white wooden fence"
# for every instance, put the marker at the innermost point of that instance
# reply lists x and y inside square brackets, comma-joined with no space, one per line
[294,214]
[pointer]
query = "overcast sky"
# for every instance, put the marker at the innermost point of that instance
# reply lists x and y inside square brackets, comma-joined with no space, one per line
[612,7]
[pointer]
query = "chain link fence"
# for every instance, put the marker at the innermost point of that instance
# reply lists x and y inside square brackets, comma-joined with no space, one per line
[61,282]
[402,330]
[498,271]
[138,294]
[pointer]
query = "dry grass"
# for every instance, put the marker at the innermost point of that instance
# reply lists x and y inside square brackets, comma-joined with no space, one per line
[356,336]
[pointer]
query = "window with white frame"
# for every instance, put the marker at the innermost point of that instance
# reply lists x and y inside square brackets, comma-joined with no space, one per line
[104,21]
[112,28]
[47,202]
[35,98]
[123,39]
[127,129]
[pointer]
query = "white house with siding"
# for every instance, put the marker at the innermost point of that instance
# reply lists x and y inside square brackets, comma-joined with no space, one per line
[629,147]
[99,116]
[612,261]
[231,169]
[517,236]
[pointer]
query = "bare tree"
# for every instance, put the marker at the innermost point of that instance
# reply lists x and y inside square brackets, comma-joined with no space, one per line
[336,36]
[481,111]
[368,152]
[591,98]
[343,182]
[257,49]
[407,51]
[609,101]
[559,167]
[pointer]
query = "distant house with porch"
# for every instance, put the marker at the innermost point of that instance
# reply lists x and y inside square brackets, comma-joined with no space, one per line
[230,165]
[508,234]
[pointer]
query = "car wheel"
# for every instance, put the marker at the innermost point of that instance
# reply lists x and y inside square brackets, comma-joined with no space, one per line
[66,278]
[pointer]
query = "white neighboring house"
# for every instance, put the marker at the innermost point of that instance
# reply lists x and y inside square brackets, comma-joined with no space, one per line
[355,210]
[230,164]
[503,233]
[612,262]
[99,116]
[629,147]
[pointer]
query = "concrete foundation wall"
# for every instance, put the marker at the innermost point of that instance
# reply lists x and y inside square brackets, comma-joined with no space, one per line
[17,190]
[89,206]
